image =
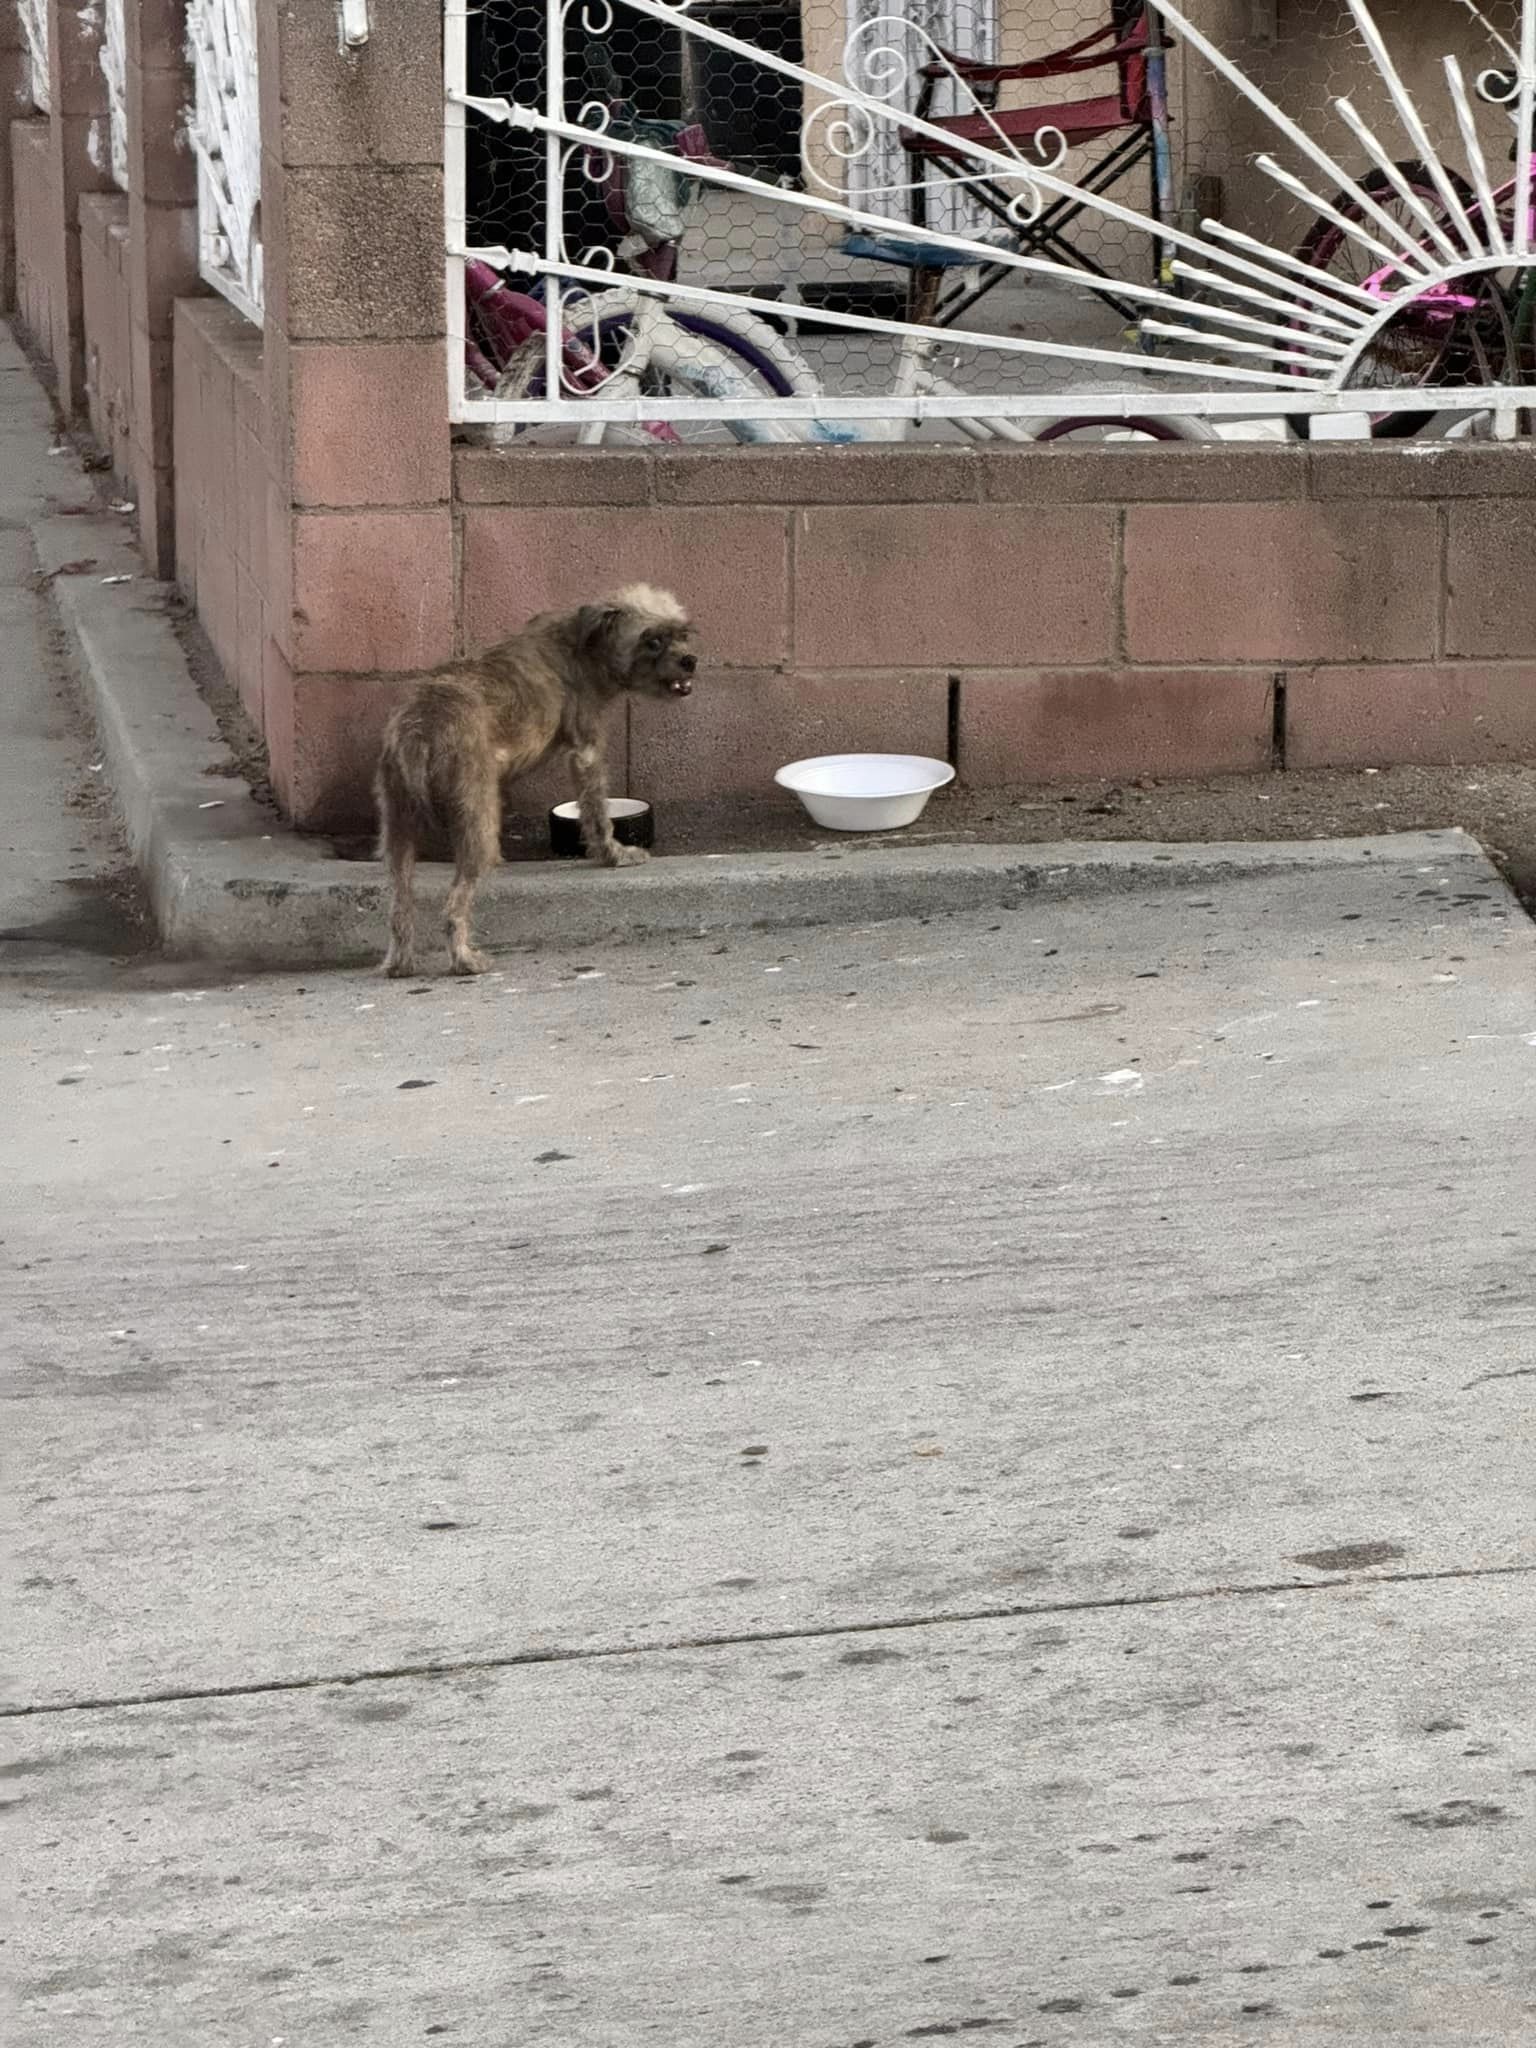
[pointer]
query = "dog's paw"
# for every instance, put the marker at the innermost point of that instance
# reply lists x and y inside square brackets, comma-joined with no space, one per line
[398,966]
[469,962]
[625,857]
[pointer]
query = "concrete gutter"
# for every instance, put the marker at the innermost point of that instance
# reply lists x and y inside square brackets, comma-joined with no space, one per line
[224,885]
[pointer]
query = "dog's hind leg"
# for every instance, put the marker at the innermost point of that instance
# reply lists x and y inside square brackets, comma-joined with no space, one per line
[475,833]
[400,852]
[397,848]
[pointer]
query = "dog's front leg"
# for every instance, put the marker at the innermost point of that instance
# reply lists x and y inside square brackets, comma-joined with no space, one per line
[590,778]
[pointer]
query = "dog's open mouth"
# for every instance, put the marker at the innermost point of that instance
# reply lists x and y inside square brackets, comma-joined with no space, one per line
[681,688]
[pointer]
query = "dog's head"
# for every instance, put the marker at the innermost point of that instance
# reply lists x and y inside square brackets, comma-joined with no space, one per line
[643,638]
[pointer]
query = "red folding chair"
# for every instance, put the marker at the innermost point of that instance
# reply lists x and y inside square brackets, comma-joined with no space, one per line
[1132,120]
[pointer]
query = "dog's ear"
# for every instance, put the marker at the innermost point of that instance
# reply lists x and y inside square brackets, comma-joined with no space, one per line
[596,628]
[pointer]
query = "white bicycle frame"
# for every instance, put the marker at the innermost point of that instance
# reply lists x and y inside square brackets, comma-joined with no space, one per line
[657,342]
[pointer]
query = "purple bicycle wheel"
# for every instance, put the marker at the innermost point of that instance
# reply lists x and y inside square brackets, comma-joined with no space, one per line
[1147,429]
[757,360]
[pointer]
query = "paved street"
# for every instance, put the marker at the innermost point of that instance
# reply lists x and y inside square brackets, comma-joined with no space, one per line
[831,1488]
[777,1491]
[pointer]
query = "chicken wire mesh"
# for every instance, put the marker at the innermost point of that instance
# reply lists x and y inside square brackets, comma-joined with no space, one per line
[1305,54]
[1146,121]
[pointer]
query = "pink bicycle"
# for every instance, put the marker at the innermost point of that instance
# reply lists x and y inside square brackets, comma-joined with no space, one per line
[1473,332]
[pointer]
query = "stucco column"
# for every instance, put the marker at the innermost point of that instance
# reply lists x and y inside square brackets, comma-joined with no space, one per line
[162,251]
[13,102]
[80,161]
[360,535]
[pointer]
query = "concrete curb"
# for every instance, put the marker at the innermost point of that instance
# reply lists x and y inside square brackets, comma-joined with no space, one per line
[224,886]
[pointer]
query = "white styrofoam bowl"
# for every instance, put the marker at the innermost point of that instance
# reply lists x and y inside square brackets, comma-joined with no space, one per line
[865,792]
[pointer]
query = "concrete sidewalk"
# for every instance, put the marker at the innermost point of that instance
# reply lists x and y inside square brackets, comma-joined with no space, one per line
[862,1485]
[224,881]
[60,861]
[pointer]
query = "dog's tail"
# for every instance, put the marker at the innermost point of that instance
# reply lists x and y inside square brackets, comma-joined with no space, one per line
[403,783]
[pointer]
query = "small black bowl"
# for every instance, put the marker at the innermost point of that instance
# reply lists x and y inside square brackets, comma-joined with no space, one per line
[634,824]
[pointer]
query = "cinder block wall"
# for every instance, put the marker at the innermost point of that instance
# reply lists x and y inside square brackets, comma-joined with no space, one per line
[13,95]
[1048,613]
[360,570]
[105,312]
[37,212]
[75,135]
[162,244]
[223,481]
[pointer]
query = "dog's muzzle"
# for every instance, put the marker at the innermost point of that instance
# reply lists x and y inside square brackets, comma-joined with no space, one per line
[681,688]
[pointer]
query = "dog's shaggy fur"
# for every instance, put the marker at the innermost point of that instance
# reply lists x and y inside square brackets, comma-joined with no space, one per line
[473,726]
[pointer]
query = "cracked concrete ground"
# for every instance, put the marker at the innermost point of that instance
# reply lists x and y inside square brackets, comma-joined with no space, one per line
[824,1490]
[857,1486]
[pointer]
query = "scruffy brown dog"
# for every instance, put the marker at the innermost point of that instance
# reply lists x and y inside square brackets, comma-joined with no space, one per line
[473,726]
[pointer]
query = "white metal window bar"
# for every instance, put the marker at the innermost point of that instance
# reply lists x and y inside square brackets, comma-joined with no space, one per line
[114,68]
[968,28]
[225,133]
[352,25]
[34,36]
[1234,327]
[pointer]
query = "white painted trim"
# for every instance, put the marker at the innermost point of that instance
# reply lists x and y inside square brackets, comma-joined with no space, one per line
[1248,404]
[36,79]
[114,69]
[225,132]
[1267,323]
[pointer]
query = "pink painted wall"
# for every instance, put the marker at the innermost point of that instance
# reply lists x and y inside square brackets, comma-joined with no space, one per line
[1100,612]
[222,488]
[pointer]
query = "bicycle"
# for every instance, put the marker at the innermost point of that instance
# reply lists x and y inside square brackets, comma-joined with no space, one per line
[623,341]
[1478,330]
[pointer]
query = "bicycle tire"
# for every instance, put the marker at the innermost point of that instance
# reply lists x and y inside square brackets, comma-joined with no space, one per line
[761,363]
[1140,426]
[723,337]
[1325,239]
[775,360]
[751,335]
